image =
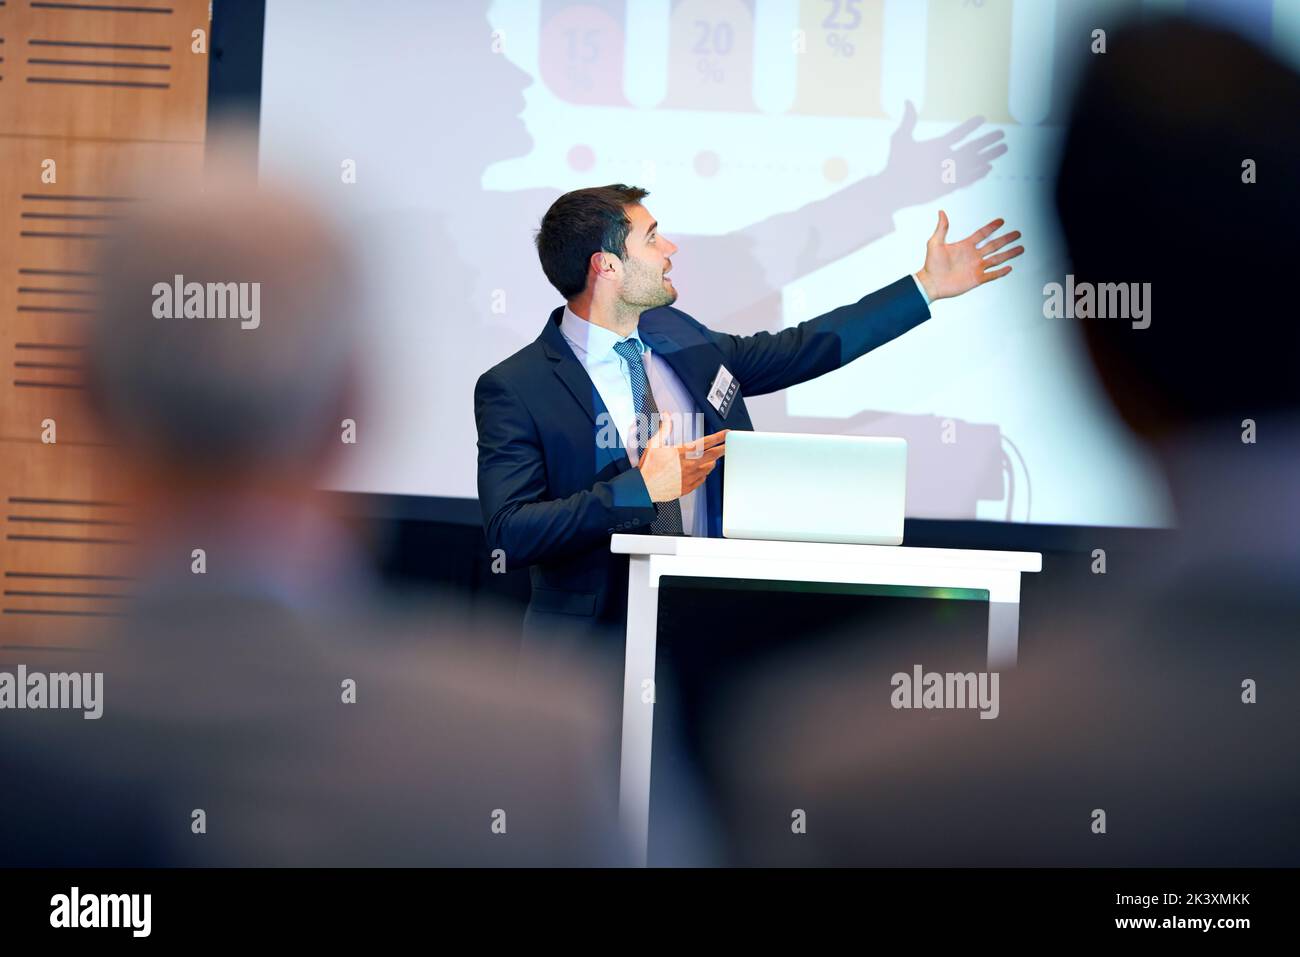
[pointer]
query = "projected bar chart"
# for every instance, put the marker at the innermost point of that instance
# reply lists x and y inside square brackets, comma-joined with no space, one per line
[840,60]
[581,55]
[968,57]
[827,57]
[711,55]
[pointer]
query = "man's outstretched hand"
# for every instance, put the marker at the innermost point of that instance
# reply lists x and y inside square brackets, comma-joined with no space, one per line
[954,268]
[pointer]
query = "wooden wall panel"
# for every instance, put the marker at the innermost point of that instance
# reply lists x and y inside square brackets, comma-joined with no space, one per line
[64,555]
[111,92]
[51,232]
[103,69]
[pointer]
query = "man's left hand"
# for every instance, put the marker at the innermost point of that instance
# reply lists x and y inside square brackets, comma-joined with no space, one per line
[954,268]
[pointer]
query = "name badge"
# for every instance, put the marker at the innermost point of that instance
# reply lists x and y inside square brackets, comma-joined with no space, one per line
[723,391]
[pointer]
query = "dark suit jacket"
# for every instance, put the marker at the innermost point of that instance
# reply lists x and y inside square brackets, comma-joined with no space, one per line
[552,497]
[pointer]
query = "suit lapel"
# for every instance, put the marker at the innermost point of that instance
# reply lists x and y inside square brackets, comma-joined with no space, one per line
[575,378]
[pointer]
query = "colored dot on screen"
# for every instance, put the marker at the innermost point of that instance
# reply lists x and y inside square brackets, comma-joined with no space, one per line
[707,163]
[581,158]
[835,169]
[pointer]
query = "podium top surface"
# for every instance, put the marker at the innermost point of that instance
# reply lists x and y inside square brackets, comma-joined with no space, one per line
[728,549]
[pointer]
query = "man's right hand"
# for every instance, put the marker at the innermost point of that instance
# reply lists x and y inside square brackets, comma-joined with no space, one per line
[673,471]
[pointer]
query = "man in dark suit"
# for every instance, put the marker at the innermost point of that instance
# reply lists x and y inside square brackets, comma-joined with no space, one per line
[614,419]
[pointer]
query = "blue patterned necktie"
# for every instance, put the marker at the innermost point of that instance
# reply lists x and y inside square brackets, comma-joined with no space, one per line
[668,515]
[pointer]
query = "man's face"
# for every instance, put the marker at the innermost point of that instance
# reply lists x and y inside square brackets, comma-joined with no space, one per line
[645,267]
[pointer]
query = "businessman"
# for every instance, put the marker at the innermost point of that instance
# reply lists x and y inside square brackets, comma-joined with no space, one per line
[615,418]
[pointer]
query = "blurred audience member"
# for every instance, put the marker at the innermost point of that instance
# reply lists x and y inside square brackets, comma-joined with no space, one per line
[260,706]
[1174,708]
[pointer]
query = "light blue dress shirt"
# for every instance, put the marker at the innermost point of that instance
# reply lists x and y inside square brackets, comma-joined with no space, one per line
[920,289]
[594,347]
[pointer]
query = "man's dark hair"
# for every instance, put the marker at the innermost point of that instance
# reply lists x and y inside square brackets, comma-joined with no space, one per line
[581,223]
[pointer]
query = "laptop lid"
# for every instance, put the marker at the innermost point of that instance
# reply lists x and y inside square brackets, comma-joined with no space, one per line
[795,487]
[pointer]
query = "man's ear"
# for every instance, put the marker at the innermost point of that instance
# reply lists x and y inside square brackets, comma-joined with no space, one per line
[605,265]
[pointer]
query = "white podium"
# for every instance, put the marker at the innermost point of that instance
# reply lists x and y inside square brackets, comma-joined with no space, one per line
[650,557]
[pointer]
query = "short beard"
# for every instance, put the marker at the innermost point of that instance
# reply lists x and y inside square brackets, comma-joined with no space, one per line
[660,297]
[647,293]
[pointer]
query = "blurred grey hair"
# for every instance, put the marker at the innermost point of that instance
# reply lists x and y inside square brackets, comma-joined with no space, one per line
[196,392]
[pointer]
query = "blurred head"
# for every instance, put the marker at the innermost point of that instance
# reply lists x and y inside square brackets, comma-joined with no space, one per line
[603,240]
[1150,189]
[224,341]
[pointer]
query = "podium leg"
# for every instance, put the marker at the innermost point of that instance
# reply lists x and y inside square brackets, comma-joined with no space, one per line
[1004,634]
[638,708]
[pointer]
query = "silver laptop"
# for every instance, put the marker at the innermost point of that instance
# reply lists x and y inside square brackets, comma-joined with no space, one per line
[814,488]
